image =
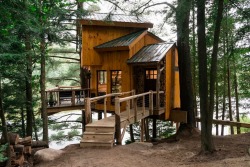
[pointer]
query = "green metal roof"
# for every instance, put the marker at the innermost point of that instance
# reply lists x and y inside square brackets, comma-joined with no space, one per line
[115,18]
[151,54]
[122,41]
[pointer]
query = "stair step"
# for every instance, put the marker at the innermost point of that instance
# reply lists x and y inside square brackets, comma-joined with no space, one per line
[98,136]
[96,143]
[102,129]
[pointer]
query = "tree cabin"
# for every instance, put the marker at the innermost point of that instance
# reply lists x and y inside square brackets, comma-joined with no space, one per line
[132,73]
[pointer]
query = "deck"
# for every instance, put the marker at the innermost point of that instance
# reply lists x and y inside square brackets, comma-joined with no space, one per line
[128,110]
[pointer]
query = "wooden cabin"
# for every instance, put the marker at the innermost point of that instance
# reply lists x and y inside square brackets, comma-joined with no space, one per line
[122,55]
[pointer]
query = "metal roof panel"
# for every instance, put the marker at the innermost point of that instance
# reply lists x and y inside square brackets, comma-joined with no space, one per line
[151,54]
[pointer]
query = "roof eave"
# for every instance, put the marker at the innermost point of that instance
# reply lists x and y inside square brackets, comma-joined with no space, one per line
[115,24]
[119,48]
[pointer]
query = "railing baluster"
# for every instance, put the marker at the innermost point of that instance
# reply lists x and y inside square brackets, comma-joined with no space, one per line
[143,105]
[73,102]
[151,98]
[105,107]
[135,109]
[128,109]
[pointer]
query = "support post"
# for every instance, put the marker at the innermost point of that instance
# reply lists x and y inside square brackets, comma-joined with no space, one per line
[142,129]
[154,127]
[83,121]
[99,115]
[73,102]
[158,87]
[87,111]
[117,122]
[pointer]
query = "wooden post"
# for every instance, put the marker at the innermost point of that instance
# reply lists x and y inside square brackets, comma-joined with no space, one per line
[151,99]
[143,105]
[73,98]
[83,121]
[158,87]
[142,129]
[135,109]
[154,127]
[128,109]
[87,110]
[117,121]
[99,115]
[58,97]
[105,107]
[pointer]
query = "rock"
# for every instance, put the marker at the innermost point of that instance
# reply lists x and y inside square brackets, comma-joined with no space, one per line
[46,155]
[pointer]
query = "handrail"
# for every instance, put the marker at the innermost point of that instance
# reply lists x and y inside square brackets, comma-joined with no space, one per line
[134,100]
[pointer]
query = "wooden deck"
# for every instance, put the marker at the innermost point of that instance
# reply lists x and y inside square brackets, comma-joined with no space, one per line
[128,110]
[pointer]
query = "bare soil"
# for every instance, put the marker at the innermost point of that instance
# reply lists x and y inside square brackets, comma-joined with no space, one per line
[231,151]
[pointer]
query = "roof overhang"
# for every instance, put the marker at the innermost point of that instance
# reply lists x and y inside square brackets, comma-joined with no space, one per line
[115,24]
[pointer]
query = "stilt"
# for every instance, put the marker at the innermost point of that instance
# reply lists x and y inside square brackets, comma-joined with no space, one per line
[142,129]
[83,121]
[146,129]
[99,115]
[154,128]
[131,133]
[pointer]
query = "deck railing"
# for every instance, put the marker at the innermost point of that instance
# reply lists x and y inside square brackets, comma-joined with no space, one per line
[90,102]
[143,100]
[66,96]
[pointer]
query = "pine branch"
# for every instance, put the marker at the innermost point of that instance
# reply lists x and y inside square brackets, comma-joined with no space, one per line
[68,79]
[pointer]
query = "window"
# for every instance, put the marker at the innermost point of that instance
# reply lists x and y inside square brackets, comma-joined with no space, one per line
[116,81]
[151,74]
[101,83]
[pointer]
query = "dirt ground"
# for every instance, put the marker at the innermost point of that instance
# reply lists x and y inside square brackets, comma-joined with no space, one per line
[232,151]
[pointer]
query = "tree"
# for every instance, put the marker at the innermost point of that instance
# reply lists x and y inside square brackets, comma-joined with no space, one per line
[207,107]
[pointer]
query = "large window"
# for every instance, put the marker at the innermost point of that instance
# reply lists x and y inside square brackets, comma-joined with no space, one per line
[116,81]
[151,74]
[101,82]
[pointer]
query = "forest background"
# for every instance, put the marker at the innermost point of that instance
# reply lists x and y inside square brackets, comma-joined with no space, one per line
[39,49]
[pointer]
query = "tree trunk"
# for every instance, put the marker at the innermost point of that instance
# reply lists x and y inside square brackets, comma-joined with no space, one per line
[217,107]
[229,96]
[194,61]
[207,144]
[23,122]
[236,97]
[213,72]
[28,81]
[42,79]
[4,126]
[186,89]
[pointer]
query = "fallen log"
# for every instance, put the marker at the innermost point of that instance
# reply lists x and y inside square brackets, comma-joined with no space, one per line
[36,144]
[26,141]
[13,138]
[19,148]
[27,150]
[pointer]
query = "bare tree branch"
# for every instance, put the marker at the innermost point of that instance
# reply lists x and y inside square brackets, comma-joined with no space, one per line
[70,58]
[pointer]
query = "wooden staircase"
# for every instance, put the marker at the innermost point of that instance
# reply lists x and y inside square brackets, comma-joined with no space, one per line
[99,134]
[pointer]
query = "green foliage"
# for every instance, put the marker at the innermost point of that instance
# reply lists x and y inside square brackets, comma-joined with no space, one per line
[2,152]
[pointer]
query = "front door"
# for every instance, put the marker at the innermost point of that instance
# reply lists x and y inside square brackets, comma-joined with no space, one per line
[150,81]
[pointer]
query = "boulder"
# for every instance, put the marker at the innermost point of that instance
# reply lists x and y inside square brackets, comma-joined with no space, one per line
[46,155]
